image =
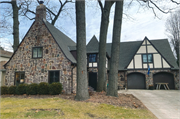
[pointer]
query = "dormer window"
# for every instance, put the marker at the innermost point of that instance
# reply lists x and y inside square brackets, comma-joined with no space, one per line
[37,52]
[92,60]
[147,58]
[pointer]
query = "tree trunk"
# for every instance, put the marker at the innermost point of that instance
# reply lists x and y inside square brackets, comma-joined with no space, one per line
[15,24]
[82,82]
[102,45]
[114,63]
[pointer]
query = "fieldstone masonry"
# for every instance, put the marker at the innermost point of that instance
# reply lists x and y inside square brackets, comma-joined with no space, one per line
[36,70]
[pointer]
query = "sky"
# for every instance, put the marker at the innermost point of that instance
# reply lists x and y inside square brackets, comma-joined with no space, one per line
[138,22]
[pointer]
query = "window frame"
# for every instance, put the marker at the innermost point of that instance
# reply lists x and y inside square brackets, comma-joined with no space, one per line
[96,60]
[53,71]
[15,79]
[147,58]
[37,52]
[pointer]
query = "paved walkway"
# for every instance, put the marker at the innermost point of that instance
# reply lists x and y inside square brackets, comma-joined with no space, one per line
[164,104]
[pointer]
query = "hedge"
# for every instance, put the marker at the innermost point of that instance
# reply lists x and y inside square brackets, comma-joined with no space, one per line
[12,90]
[21,89]
[4,90]
[55,88]
[32,89]
[43,88]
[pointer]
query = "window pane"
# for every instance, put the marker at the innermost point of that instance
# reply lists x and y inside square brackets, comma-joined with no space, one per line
[144,58]
[39,52]
[34,52]
[92,58]
[150,58]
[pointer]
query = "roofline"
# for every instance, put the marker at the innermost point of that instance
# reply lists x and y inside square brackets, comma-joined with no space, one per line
[6,56]
[18,46]
[160,53]
[134,54]
[57,43]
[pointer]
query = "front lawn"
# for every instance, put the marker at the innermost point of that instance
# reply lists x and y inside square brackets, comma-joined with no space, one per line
[63,108]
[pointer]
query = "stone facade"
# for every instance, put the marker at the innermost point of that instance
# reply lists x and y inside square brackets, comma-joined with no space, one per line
[149,78]
[36,70]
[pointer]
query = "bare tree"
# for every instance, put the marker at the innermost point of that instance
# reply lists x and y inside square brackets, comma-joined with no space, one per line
[114,63]
[105,11]
[173,30]
[82,82]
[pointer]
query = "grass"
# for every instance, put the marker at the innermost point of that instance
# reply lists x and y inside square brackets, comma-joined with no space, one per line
[61,108]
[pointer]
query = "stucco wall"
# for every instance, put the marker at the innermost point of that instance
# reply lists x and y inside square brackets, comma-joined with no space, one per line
[36,70]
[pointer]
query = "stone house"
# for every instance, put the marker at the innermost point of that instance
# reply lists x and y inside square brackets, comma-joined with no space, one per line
[4,57]
[43,56]
[47,55]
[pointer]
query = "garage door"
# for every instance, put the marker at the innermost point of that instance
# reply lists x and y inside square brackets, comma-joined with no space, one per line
[136,81]
[164,77]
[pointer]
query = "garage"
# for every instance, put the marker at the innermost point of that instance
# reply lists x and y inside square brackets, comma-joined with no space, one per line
[164,77]
[136,81]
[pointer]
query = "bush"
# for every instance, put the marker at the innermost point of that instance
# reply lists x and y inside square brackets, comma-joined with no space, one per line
[4,90]
[21,89]
[43,88]
[32,89]
[55,88]
[12,90]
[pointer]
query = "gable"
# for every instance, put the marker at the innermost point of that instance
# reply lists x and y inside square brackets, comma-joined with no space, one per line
[147,54]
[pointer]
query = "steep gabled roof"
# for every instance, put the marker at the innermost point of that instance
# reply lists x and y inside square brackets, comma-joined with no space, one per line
[93,45]
[62,40]
[6,54]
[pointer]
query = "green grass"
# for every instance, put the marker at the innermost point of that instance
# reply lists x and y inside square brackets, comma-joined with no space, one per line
[61,108]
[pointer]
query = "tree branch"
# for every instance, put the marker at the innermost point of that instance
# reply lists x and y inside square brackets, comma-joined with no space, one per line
[101,5]
[158,7]
[50,11]
[175,2]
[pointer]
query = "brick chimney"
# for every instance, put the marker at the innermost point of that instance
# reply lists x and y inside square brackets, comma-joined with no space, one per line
[40,12]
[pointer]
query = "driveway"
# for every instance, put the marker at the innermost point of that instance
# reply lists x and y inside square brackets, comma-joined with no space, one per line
[164,104]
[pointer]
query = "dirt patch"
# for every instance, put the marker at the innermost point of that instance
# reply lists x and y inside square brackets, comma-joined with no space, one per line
[124,100]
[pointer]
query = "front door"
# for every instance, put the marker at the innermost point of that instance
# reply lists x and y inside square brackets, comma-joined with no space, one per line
[19,78]
[53,76]
[93,80]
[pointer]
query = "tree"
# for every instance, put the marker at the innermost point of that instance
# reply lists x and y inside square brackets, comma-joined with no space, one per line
[105,11]
[173,30]
[15,9]
[114,63]
[82,82]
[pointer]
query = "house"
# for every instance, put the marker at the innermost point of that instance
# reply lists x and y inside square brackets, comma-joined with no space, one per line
[43,56]
[134,59]
[47,55]
[4,57]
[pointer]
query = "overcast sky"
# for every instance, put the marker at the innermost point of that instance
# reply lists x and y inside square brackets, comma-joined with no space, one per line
[140,22]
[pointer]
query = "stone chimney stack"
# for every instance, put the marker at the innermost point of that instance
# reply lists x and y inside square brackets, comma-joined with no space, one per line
[40,12]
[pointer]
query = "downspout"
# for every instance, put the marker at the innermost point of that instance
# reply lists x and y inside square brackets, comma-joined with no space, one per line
[72,78]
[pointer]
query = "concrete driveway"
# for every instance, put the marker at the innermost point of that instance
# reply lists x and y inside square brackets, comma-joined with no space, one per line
[164,104]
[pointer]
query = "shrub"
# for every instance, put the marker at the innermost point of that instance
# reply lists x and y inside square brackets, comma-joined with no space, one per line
[55,88]
[43,88]
[12,90]
[21,89]
[32,89]
[4,90]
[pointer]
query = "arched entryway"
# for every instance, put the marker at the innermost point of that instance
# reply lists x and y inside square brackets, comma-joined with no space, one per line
[136,81]
[164,77]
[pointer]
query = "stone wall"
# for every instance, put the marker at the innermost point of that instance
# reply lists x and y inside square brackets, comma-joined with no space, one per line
[36,70]
[149,78]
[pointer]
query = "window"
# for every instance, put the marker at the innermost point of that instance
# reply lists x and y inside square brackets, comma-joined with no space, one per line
[37,52]
[19,78]
[147,58]
[93,58]
[53,76]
